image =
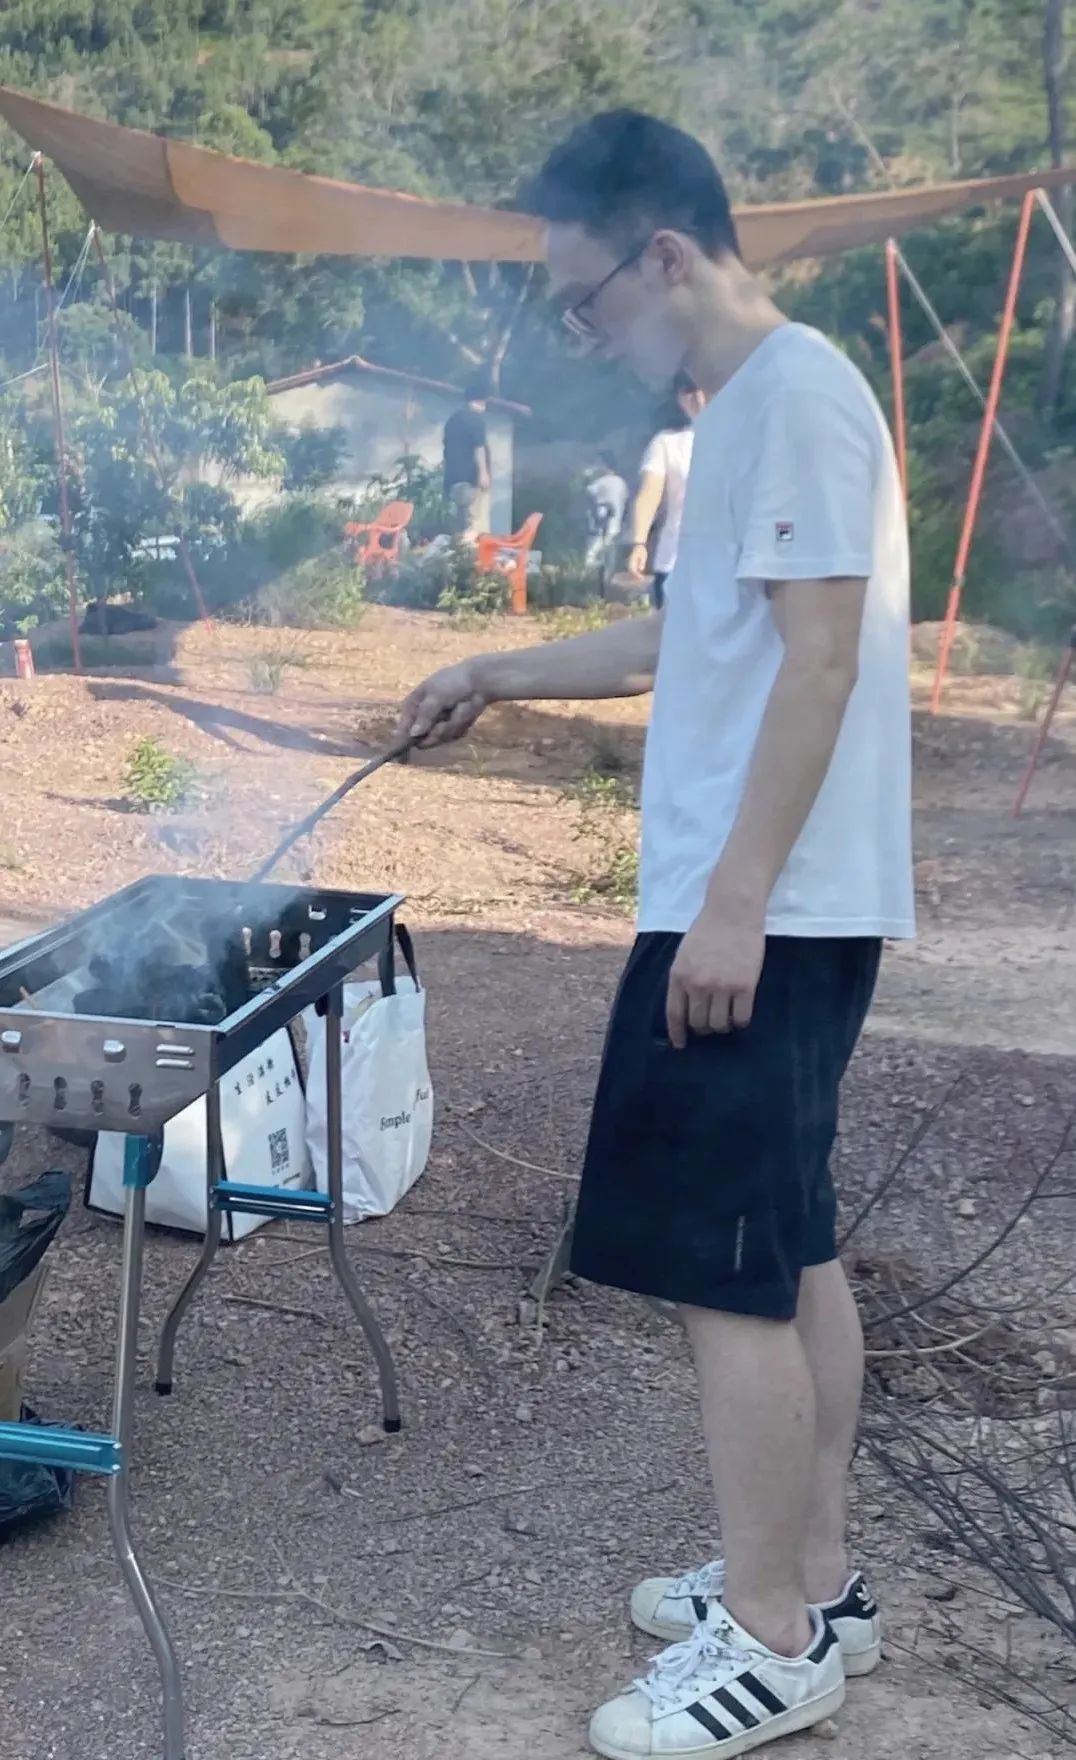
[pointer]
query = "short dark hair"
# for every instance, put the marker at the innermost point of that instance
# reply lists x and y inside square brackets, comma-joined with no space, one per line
[479,387]
[625,176]
[669,417]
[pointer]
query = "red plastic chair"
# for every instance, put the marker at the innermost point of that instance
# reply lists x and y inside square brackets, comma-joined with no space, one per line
[508,556]
[376,542]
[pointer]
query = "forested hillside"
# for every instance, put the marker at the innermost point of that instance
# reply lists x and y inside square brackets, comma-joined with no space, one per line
[461,98]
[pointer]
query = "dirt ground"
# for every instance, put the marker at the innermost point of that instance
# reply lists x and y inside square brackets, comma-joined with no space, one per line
[459,1592]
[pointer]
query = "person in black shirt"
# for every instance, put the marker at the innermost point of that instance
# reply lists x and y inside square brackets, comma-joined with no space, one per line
[467,460]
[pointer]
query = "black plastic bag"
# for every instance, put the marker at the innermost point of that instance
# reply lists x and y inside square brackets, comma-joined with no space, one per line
[29,1218]
[29,1492]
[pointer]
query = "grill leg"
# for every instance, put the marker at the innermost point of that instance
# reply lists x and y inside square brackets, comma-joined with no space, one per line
[345,1271]
[214,1174]
[118,1504]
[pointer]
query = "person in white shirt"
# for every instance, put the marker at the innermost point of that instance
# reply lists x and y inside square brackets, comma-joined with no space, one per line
[607,500]
[659,498]
[776,856]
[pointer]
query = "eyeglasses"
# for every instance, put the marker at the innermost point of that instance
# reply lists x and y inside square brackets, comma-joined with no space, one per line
[576,318]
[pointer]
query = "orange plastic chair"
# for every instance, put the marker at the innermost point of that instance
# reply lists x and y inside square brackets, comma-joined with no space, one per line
[508,556]
[376,542]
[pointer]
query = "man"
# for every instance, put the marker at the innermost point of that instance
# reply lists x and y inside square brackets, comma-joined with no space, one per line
[607,500]
[467,460]
[663,474]
[775,858]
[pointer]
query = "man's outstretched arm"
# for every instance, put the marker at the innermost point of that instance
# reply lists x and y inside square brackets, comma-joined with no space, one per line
[619,661]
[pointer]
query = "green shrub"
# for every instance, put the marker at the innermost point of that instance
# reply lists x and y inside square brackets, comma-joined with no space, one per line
[54,654]
[415,585]
[295,529]
[312,455]
[326,592]
[278,538]
[156,780]
[1036,668]
[33,581]
[448,581]
[473,599]
[410,479]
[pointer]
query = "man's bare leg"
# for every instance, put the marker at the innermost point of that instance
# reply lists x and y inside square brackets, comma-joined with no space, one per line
[758,1418]
[828,1324]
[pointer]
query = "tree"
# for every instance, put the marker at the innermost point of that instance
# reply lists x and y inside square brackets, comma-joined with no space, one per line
[312,456]
[151,458]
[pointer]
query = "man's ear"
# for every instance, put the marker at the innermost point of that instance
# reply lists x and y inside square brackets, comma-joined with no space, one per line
[671,254]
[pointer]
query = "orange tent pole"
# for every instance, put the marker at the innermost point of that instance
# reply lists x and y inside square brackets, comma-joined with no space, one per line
[58,418]
[986,434]
[896,355]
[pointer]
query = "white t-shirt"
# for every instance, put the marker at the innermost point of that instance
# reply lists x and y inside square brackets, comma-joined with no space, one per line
[669,455]
[794,478]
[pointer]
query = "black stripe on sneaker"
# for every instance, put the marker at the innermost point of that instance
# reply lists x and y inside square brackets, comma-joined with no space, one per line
[858,1603]
[710,1723]
[730,1703]
[758,1690]
[701,1609]
[825,1643]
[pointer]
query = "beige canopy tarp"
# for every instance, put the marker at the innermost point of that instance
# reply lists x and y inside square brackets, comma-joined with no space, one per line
[151,187]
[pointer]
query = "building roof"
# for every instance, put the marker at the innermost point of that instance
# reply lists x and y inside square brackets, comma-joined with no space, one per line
[354,363]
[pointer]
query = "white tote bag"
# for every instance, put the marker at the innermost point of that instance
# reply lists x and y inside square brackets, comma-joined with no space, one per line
[387,1099]
[263,1128]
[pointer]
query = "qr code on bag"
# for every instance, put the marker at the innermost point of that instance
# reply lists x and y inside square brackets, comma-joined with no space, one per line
[279,1154]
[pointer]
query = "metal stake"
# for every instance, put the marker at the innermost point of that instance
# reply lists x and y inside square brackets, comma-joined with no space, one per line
[214,1171]
[345,1271]
[118,1502]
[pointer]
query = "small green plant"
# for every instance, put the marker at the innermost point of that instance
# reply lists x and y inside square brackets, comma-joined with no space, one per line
[156,780]
[576,620]
[267,668]
[604,795]
[603,791]
[266,673]
[473,601]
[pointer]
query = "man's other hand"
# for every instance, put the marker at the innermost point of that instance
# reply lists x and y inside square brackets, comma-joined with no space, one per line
[715,975]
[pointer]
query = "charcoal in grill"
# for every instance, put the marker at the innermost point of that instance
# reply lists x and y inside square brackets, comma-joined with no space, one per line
[153,990]
[144,983]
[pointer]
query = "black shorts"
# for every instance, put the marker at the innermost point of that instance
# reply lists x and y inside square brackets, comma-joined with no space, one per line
[707,1176]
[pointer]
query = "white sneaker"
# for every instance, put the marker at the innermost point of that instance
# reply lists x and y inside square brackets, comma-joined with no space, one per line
[671,1607]
[721,1693]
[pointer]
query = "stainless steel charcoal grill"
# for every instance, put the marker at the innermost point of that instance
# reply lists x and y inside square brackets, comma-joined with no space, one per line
[118,1019]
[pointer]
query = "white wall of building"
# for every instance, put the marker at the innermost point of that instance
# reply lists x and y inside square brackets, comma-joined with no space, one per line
[382,419]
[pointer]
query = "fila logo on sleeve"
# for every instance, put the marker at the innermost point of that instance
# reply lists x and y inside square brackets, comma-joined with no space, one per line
[784,531]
